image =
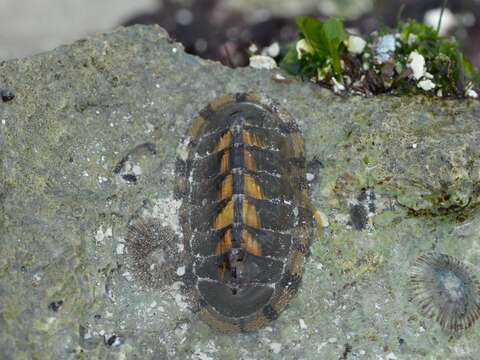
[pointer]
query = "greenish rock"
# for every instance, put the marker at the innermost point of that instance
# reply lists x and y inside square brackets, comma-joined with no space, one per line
[74,175]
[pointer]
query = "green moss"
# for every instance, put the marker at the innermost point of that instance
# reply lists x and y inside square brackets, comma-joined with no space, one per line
[322,54]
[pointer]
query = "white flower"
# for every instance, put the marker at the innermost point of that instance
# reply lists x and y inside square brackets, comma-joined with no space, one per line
[416,62]
[384,48]
[273,50]
[262,62]
[426,84]
[302,47]
[356,44]
[412,38]
[472,93]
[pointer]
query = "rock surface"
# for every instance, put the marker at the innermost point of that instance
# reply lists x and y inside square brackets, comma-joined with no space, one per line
[88,145]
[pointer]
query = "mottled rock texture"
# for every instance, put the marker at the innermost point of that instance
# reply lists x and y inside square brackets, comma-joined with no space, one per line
[88,146]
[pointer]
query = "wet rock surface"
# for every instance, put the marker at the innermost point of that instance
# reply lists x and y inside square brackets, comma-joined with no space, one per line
[88,147]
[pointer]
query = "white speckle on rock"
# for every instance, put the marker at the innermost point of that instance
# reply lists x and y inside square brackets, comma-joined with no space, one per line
[302,324]
[332,340]
[321,346]
[356,44]
[310,176]
[262,62]
[180,247]
[101,235]
[426,84]
[414,146]
[180,302]
[127,275]
[3,121]
[276,347]
[182,149]
[137,170]
[120,249]
[391,356]
[280,77]
[166,209]
[150,127]
[181,271]
[198,355]
[416,62]
[174,50]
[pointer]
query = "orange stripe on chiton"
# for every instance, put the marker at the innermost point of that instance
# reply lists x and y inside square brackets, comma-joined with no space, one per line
[251,139]
[249,215]
[225,216]
[249,161]
[225,162]
[250,244]
[225,243]
[251,187]
[226,188]
[224,142]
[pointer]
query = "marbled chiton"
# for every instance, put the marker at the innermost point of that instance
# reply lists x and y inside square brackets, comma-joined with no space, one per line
[246,215]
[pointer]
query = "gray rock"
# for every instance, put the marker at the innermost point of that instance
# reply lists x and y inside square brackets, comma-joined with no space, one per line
[88,145]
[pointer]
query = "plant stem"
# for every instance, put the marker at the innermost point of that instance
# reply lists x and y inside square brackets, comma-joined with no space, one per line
[444,5]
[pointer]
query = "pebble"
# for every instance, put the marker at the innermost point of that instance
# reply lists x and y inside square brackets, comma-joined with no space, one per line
[262,62]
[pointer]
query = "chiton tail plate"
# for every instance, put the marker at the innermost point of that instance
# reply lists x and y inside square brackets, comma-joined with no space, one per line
[246,215]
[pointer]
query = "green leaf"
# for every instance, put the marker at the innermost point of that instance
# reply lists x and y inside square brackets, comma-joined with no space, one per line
[311,29]
[290,62]
[334,31]
[335,35]
[326,39]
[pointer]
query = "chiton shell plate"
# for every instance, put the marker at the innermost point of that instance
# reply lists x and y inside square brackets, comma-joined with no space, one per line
[246,215]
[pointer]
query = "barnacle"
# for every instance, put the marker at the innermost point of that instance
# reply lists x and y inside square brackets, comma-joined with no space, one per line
[153,249]
[446,290]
